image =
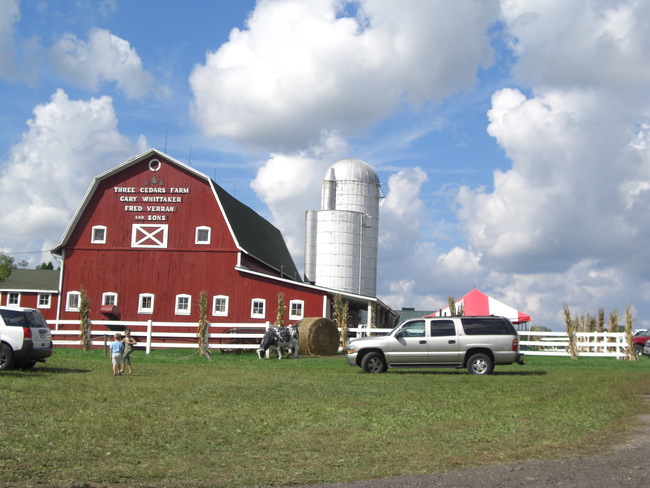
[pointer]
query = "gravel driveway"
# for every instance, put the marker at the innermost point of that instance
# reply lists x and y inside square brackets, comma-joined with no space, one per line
[624,466]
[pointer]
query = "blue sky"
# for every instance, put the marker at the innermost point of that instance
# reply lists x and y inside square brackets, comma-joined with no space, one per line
[510,137]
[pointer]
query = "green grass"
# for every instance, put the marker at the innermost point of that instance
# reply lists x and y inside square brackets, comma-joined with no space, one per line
[236,421]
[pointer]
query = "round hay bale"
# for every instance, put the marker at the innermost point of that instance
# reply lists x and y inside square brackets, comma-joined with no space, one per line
[318,337]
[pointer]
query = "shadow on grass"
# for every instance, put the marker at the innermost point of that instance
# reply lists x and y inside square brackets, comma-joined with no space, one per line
[43,371]
[465,373]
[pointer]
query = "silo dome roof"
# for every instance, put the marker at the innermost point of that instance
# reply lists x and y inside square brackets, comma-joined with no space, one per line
[352,169]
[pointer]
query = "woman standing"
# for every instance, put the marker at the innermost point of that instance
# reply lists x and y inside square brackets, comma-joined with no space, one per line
[128,349]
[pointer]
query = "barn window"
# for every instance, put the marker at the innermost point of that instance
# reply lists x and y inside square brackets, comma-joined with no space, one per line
[44,300]
[202,235]
[258,308]
[13,299]
[220,306]
[296,309]
[149,235]
[99,234]
[109,298]
[145,303]
[72,303]
[183,304]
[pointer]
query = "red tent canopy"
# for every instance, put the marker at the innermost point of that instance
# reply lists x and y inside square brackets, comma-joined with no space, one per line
[477,303]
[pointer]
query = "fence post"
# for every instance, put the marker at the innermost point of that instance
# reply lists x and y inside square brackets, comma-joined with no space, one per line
[149,330]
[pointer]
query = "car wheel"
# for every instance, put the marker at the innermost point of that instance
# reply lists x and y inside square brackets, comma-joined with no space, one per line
[6,357]
[480,364]
[638,350]
[373,362]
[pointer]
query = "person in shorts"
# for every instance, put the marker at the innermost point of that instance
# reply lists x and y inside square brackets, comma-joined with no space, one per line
[117,348]
[129,342]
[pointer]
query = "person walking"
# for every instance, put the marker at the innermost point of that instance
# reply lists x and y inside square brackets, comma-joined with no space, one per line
[129,342]
[117,348]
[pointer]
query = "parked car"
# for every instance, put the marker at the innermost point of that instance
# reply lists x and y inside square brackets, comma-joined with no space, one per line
[475,343]
[640,341]
[646,349]
[25,338]
[637,332]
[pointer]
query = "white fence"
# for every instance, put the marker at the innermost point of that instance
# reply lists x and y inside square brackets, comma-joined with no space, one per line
[243,336]
[599,344]
[157,335]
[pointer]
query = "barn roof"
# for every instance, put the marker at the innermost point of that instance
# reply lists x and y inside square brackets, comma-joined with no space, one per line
[32,280]
[253,234]
[257,236]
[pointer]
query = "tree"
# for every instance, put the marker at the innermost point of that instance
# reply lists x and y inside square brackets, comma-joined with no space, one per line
[6,266]
[45,266]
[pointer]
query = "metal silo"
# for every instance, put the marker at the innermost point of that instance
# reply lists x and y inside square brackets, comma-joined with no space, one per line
[341,239]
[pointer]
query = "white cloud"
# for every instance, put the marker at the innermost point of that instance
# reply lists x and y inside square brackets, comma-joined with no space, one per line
[302,67]
[586,286]
[590,43]
[104,57]
[569,222]
[67,144]
[314,73]
[290,184]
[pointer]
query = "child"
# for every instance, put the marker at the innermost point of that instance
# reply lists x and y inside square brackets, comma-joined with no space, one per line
[117,347]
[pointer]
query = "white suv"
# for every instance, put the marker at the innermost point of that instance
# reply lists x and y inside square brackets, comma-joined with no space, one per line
[25,338]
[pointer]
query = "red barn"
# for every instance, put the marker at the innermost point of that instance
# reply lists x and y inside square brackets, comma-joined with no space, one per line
[152,233]
[33,288]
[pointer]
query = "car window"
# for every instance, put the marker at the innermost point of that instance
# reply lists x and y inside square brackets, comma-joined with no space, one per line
[413,329]
[442,328]
[35,319]
[14,318]
[486,326]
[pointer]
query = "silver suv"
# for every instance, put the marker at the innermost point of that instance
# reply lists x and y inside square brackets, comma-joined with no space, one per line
[475,343]
[25,338]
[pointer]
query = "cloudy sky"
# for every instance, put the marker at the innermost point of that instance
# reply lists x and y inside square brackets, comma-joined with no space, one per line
[511,137]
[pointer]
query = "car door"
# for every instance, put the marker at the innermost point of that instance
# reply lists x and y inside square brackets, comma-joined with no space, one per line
[409,344]
[443,346]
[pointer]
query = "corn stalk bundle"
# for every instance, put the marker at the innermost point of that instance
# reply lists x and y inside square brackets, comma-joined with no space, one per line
[629,321]
[454,309]
[613,326]
[202,331]
[341,314]
[84,322]
[571,328]
[280,311]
